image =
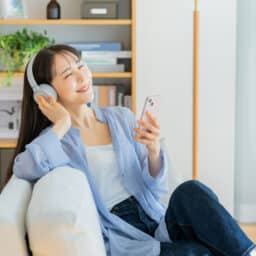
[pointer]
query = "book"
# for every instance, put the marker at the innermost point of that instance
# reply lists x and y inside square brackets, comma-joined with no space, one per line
[106,67]
[111,95]
[108,57]
[96,46]
[120,99]
[122,90]
[107,54]
[104,95]
[99,60]
[96,95]
[128,101]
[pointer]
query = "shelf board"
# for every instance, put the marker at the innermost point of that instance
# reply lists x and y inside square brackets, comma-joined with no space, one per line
[8,143]
[67,22]
[112,75]
[95,75]
[15,74]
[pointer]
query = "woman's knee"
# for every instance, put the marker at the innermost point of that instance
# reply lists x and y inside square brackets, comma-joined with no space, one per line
[193,187]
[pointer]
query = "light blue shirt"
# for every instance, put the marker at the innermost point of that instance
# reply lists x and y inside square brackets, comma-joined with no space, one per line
[47,152]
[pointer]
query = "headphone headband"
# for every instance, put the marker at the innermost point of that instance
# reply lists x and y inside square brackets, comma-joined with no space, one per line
[30,75]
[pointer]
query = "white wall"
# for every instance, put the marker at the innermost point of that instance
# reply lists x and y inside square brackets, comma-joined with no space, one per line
[245,138]
[164,66]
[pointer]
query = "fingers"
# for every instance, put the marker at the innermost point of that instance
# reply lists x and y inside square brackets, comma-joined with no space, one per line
[140,133]
[45,102]
[47,106]
[148,132]
[152,120]
[150,128]
[51,100]
[143,141]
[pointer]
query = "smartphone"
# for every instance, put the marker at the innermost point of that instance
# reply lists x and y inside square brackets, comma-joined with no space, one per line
[151,105]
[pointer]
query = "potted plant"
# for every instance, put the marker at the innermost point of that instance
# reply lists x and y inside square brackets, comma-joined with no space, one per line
[18,47]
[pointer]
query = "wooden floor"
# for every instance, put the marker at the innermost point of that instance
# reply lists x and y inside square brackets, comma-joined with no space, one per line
[250,230]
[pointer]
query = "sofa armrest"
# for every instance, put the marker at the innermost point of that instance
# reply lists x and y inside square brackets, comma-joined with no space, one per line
[14,200]
[62,218]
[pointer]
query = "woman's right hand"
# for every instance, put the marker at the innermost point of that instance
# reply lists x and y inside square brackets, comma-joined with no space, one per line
[56,113]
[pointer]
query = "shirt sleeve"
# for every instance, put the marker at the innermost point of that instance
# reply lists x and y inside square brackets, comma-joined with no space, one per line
[158,185]
[43,154]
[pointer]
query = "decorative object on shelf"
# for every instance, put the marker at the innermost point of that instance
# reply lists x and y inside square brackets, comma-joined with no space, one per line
[18,47]
[9,118]
[195,91]
[96,9]
[13,9]
[53,10]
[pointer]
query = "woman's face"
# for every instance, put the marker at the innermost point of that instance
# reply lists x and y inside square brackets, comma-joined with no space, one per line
[72,80]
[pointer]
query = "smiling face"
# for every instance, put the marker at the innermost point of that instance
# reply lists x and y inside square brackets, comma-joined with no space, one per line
[72,80]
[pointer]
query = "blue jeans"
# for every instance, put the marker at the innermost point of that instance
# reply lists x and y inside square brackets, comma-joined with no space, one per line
[196,222]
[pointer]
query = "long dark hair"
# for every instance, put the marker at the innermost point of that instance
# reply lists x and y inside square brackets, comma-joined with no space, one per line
[32,119]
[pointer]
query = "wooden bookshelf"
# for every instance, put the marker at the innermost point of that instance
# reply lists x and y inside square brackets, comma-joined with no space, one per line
[8,143]
[112,75]
[117,22]
[130,22]
[133,49]
[95,75]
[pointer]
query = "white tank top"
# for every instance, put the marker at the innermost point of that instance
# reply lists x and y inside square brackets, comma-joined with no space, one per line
[105,172]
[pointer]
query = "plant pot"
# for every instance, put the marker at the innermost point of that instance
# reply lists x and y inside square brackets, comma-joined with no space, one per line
[15,63]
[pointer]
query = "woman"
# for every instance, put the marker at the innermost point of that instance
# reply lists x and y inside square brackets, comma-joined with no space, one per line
[67,131]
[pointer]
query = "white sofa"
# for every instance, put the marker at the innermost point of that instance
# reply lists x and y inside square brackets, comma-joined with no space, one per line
[59,216]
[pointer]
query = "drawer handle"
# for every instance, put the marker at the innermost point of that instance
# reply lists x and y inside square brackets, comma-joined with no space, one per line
[99,11]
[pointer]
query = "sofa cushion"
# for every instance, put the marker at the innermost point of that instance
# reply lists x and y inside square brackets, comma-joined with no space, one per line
[62,218]
[14,201]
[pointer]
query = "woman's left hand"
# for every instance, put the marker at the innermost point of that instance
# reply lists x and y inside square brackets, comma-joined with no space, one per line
[148,133]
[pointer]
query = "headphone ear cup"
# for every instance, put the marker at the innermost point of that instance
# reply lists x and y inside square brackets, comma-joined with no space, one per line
[45,90]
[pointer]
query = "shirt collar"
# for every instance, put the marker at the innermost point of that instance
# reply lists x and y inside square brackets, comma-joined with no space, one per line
[99,113]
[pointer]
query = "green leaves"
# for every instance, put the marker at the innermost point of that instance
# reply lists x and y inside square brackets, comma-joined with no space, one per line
[25,40]
[18,47]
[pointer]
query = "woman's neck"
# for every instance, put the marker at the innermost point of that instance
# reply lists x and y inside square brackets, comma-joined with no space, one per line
[82,117]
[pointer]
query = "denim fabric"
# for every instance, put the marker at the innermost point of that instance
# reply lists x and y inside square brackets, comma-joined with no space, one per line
[195,214]
[197,223]
[131,211]
[184,248]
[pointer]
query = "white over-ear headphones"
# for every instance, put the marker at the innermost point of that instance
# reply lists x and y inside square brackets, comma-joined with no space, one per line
[39,89]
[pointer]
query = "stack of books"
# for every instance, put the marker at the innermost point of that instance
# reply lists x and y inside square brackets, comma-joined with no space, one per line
[104,56]
[111,95]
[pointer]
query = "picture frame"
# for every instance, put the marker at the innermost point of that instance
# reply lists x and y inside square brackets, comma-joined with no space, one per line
[13,9]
